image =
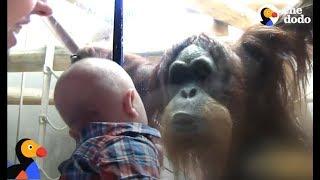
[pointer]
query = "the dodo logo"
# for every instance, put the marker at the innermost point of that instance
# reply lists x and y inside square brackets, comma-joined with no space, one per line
[26,149]
[269,15]
[294,15]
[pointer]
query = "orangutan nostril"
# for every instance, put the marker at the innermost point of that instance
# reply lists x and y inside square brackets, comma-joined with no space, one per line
[192,93]
[184,94]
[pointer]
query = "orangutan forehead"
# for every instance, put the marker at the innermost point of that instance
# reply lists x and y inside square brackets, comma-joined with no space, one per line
[191,52]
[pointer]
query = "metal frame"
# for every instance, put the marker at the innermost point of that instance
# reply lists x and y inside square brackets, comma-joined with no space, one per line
[20,110]
[45,96]
[118,32]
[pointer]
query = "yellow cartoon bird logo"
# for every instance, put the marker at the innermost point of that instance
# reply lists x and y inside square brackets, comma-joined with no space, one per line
[26,149]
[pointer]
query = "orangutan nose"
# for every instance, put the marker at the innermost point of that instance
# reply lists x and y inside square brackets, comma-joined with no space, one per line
[188,92]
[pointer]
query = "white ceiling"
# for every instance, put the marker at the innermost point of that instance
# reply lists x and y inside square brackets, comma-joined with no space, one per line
[149,25]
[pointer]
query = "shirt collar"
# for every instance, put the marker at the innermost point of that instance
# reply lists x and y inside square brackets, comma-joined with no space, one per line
[95,129]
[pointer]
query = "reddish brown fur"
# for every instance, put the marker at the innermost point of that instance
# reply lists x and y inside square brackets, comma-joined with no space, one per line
[269,68]
[263,95]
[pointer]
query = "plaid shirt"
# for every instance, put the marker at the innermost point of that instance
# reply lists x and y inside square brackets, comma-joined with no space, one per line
[114,151]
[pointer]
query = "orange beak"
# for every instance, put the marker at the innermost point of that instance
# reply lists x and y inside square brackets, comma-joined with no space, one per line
[274,14]
[41,152]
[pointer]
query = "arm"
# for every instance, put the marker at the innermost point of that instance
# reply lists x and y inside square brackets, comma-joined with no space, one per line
[77,169]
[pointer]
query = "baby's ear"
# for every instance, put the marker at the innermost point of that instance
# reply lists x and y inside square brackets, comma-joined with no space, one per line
[128,103]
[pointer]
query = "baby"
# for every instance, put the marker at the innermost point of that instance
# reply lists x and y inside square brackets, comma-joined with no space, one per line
[98,101]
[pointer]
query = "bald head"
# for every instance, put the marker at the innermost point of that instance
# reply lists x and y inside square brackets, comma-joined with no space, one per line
[95,89]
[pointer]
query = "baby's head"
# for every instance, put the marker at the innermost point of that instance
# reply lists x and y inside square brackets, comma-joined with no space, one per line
[94,90]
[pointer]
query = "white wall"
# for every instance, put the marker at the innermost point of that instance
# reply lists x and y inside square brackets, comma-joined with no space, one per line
[58,143]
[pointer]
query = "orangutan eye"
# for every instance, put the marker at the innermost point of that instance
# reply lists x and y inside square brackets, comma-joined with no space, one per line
[30,147]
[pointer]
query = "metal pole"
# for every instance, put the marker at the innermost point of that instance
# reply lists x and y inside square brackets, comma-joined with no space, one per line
[45,96]
[64,36]
[118,32]
[61,32]
[20,110]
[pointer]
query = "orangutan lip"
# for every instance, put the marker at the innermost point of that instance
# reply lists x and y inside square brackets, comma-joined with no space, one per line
[184,122]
